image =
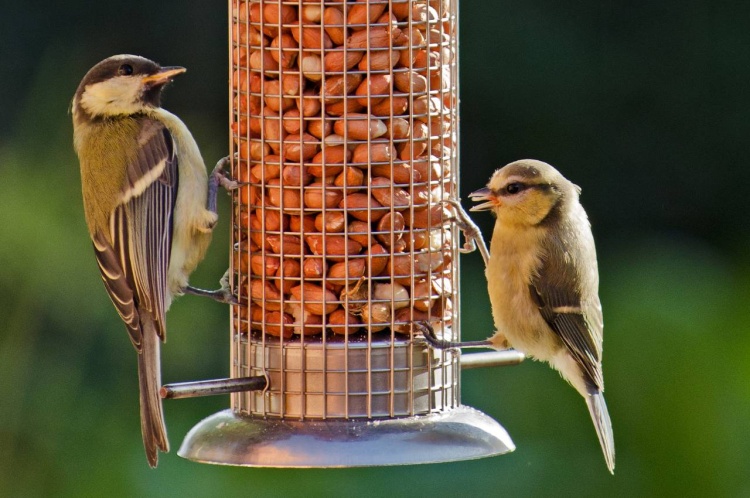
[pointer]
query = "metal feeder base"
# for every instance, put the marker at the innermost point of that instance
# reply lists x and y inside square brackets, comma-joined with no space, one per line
[461,433]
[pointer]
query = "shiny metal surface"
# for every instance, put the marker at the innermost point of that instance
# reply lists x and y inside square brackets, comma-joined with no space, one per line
[383,377]
[212,387]
[491,359]
[462,433]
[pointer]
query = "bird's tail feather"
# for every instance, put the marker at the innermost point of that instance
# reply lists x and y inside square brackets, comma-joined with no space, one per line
[153,428]
[603,426]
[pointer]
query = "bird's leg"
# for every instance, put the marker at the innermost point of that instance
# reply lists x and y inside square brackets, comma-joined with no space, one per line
[429,335]
[222,295]
[471,231]
[219,177]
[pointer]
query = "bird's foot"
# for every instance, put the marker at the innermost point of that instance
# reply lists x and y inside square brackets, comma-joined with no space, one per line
[499,341]
[222,177]
[222,295]
[429,335]
[219,177]
[471,231]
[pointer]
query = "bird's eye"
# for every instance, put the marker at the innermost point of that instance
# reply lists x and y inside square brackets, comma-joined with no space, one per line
[125,70]
[514,188]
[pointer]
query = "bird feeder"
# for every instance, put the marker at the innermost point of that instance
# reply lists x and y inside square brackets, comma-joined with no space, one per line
[344,138]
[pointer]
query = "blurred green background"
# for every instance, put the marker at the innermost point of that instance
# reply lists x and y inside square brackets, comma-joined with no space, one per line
[643,104]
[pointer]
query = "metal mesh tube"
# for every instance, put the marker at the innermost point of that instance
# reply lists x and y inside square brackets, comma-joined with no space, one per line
[344,125]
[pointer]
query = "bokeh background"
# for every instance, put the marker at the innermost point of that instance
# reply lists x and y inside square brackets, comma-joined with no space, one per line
[643,104]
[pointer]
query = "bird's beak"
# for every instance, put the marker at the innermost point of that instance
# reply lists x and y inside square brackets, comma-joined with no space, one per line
[165,75]
[484,194]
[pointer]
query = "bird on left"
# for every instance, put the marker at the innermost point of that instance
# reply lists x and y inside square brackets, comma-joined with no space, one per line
[150,207]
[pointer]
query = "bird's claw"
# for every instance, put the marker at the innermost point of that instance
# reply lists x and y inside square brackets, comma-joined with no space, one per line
[226,297]
[222,178]
[472,234]
[428,332]
[223,295]
[226,289]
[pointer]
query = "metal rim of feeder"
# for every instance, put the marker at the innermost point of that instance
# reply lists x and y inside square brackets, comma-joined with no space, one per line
[357,390]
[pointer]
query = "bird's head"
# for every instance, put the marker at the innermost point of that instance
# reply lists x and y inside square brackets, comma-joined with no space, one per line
[121,85]
[525,192]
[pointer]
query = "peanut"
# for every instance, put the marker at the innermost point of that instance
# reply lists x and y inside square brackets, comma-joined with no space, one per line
[311,37]
[262,60]
[331,221]
[278,324]
[360,127]
[373,89]
[291,121]
[295,175]
[285,244]
[329,162]
[345,106]
[278,13]
[317,196]
[309,104]
[336,87]
[341,322]
[305,322]
[350,179]
[334,24]
[362,207]
[265,292]
[284,50]
[397,106]
[375,152]
[378,259]
[391,228]
[286,198]
[427,218]
[335,61]
[397,128]
[410,82]
[298,147]
[302,224]
[398,173]
[313,267]
[361,13]
[315,298]
[389,195]
[346,272]
[311,13]
[311,67]
[319,127]
[378,61]
[332,246]
[360,231]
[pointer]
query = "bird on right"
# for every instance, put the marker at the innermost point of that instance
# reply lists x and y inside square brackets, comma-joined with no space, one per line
[543,280]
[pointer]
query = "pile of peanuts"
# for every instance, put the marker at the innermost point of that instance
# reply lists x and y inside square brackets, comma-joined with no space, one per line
[344,132]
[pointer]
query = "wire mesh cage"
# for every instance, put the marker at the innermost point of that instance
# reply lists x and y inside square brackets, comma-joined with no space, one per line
[344,126]
[341,239]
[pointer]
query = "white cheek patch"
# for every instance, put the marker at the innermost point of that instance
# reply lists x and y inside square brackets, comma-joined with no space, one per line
[119,95]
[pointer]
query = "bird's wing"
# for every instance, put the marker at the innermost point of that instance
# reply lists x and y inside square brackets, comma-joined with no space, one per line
[566,291]
[134,257]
